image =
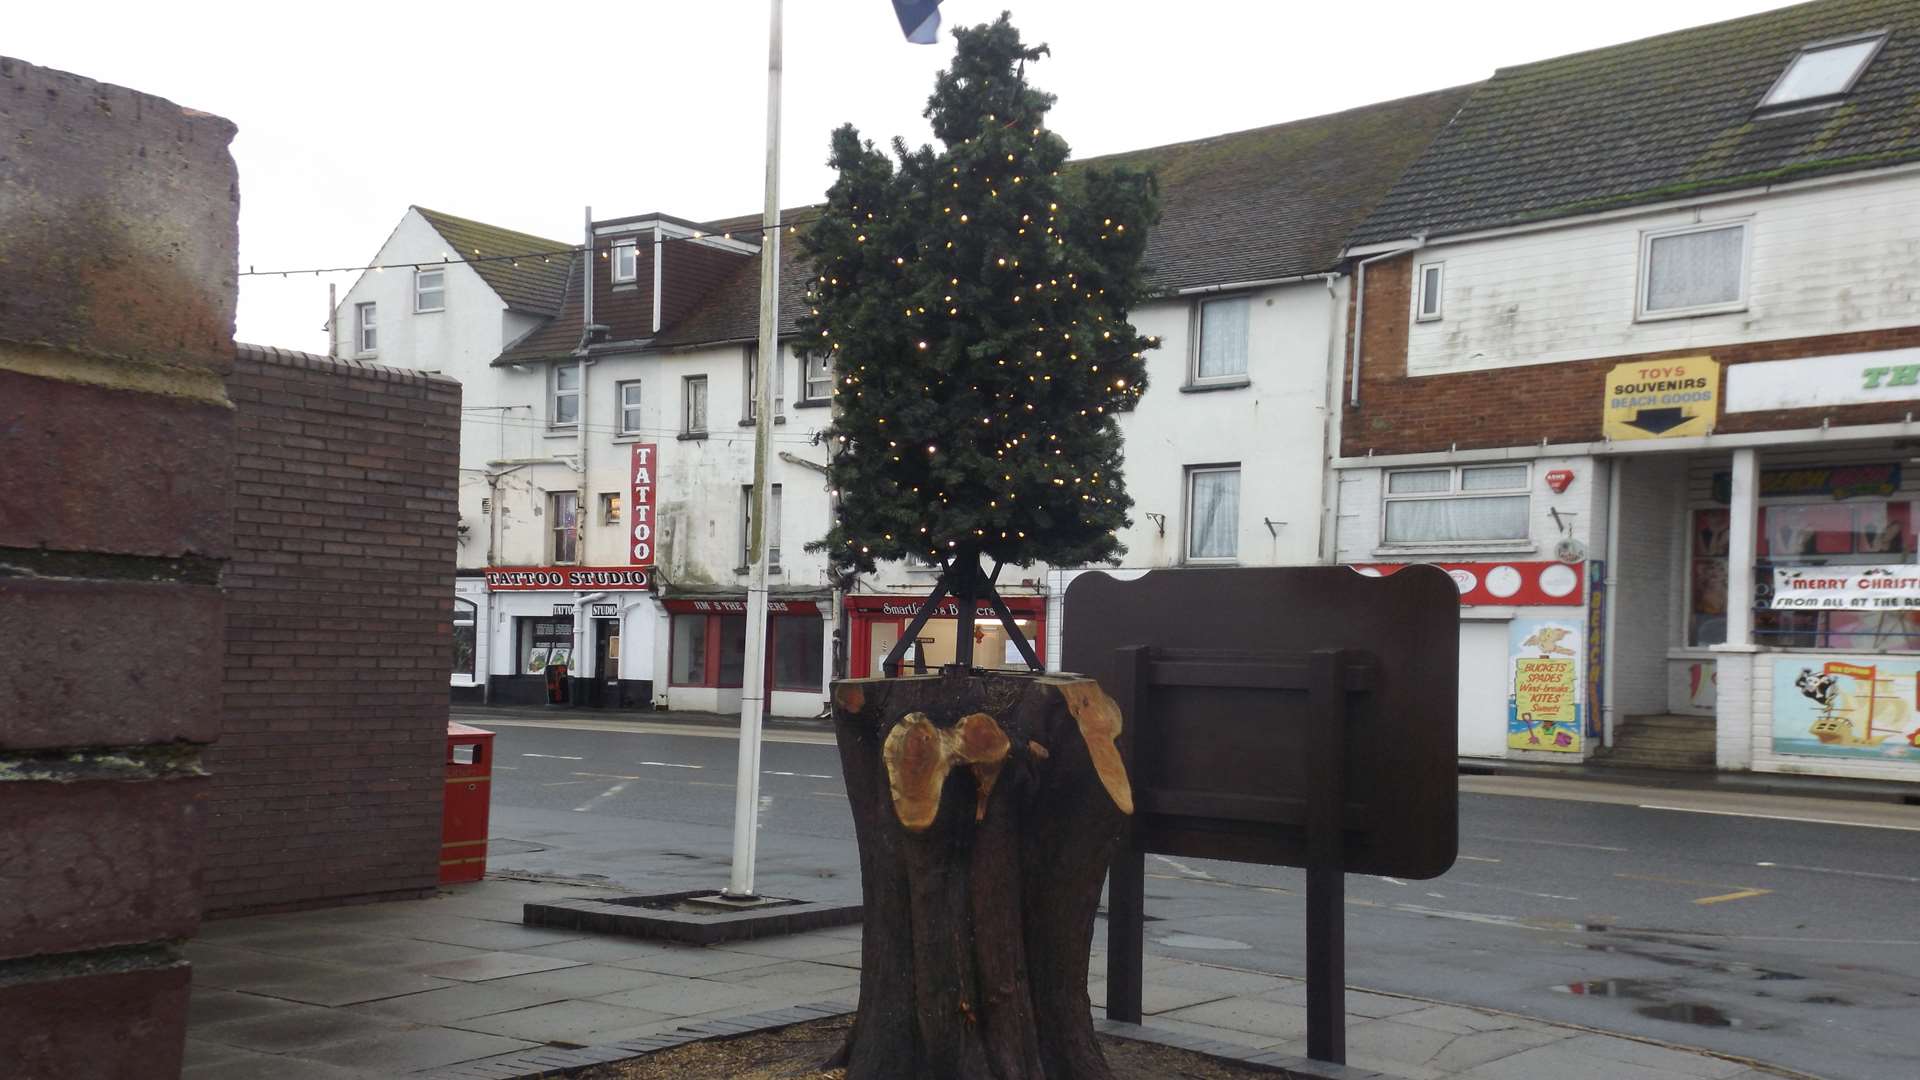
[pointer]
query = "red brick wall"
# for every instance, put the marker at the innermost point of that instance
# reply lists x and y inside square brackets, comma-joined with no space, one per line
[1559,402]
[328,775]
[116,330]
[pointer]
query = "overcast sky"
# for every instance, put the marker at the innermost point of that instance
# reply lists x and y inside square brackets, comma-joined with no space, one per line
[523,114]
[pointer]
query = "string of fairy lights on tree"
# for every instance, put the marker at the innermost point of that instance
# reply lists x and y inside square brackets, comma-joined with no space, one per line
[974,302]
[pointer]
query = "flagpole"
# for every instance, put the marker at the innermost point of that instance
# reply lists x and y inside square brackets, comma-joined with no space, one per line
[753,691]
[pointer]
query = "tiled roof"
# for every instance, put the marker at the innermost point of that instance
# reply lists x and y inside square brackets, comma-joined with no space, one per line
[1659,119]
[560,335]
[732,311]
[534,285]
[1279,201]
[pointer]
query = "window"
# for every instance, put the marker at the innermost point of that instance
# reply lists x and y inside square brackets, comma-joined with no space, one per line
[365,329]
[1698,270]
[1221,354]
[1457,505]
[816,384]
[566,395]
[465,625]
[565,508]
[626,261]
[693,404]
[1824,70]
[797,644]
[689,667]
[773,525]
[544,641]
[1213,513]
[752,383]
[429,290]
[609,508]
[1429,277]
[626,399]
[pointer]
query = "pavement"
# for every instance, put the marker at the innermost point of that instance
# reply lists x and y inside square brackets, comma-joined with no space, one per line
[436,986]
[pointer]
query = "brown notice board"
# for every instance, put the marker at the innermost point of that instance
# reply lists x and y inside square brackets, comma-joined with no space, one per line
[1221,771]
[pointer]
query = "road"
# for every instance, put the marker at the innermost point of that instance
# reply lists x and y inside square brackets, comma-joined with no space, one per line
[1774,928]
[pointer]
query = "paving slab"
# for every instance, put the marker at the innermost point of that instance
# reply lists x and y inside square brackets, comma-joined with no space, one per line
[1467,1051]
[692,997]
[421,1048]
[348,986]
[254,1066]
[602,950]
[584,981]
[694,961]
[1389,1040]
[459,1001]
[1225,980]
[493,965]
[209,1005]
[1631,1052]
[798,979]
[485,934]
[1271,1018]
[793,947]
[1157,997]
[293,1030]
[586,1023]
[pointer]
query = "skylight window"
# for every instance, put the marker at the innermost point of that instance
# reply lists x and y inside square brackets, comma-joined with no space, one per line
[1824,70]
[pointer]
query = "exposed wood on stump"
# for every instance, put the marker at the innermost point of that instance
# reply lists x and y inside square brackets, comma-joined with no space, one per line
[987,808]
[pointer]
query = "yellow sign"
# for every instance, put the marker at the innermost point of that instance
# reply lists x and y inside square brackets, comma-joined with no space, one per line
[1662,399]
[1543,706]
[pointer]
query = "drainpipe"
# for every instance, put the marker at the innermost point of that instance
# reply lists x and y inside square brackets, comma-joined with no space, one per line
[580,427]
[1329,424]
[1360,306]
[1610,617]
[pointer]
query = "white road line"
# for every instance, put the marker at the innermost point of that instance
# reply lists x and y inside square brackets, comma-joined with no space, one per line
[672,765]
[1843,873]
[588,805]
[1781,817]
[556,757]
[801,775]
[1187,871]
[1552,843]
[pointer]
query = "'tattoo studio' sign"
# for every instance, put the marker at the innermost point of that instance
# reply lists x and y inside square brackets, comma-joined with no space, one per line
[640,516]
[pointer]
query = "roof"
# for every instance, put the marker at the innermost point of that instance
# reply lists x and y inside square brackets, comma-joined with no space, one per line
[558,336]
[533,285]
[1658,119]
[732,311]
[1278,201]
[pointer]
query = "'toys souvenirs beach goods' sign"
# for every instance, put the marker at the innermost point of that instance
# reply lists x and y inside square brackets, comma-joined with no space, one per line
[1661,399]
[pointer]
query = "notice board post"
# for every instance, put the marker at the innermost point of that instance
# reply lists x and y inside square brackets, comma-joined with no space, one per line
[1283,716]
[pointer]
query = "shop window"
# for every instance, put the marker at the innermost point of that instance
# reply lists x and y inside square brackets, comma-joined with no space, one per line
[1213,514]
[1456,505]
[1803,534]
[563,509]
[1220,350]
[465,628]
[689,667]
[544,641]
[797,644]
[1699,270]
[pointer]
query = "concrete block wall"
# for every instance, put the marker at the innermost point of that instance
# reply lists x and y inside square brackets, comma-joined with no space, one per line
[328,777]
[118,234]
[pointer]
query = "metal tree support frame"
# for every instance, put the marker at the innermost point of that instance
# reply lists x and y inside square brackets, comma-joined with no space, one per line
[960,578]
[1289,717]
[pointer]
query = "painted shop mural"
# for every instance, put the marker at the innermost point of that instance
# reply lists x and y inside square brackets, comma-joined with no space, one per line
[1545,707]
[1853,707]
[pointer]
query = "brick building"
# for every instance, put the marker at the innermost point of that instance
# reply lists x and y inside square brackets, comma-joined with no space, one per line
[1638,356]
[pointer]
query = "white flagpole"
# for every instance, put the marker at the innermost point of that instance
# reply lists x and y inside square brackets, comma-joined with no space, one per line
[753,693]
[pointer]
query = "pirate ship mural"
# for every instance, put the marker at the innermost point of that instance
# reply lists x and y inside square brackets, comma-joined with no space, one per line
[1848,707]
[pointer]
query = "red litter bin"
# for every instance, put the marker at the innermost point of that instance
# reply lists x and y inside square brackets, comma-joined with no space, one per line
[463,827]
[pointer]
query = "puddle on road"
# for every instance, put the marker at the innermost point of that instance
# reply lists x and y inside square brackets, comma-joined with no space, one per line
[1200,941]
[1681,1012]
[1655,995]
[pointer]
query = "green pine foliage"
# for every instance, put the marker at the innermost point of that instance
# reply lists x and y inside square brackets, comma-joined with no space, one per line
[973,301]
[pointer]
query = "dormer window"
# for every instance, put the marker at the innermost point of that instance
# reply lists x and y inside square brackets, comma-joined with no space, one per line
[1823,71]
[626,261]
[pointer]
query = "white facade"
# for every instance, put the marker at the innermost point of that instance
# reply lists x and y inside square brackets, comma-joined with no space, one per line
[1823,258]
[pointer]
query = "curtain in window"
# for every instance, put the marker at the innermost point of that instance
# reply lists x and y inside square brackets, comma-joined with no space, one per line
[1216,515]
[1416,521]
[1223,338]
[1694,269]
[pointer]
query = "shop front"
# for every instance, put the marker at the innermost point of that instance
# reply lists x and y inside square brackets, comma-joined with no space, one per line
[704,650]
[567,635]
[875,623]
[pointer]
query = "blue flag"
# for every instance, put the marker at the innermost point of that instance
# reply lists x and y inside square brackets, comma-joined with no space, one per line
[919,20]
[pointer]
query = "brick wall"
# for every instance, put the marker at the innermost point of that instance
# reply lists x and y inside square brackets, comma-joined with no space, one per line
[1560,402]
[117,288]
[328,776]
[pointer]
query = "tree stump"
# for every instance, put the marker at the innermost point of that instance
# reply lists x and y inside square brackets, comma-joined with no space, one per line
[987,807]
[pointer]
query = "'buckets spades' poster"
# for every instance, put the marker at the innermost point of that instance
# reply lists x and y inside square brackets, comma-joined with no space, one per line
[1544,707]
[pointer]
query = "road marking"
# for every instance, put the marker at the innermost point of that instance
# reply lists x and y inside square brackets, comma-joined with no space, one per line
[563,783]
[1741,895]
[641,727]
[1478,858]
[1680,881]
[609,776]
[588,805]
[556,757]
[1781,817]
[1551,843]
[1275,889]
[801,775]
[672,765]
[1185,870]
[1509,889]
[1843,873]
[1390,881]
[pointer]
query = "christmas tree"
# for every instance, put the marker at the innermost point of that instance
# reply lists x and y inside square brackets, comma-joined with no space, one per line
[973,303]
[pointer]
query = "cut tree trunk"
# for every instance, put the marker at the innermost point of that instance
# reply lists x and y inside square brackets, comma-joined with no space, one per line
[987,808]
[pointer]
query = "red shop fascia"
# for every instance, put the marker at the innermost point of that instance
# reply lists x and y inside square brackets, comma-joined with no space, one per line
[866,611]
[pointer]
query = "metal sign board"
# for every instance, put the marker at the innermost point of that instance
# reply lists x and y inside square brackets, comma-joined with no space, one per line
[1661,399]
